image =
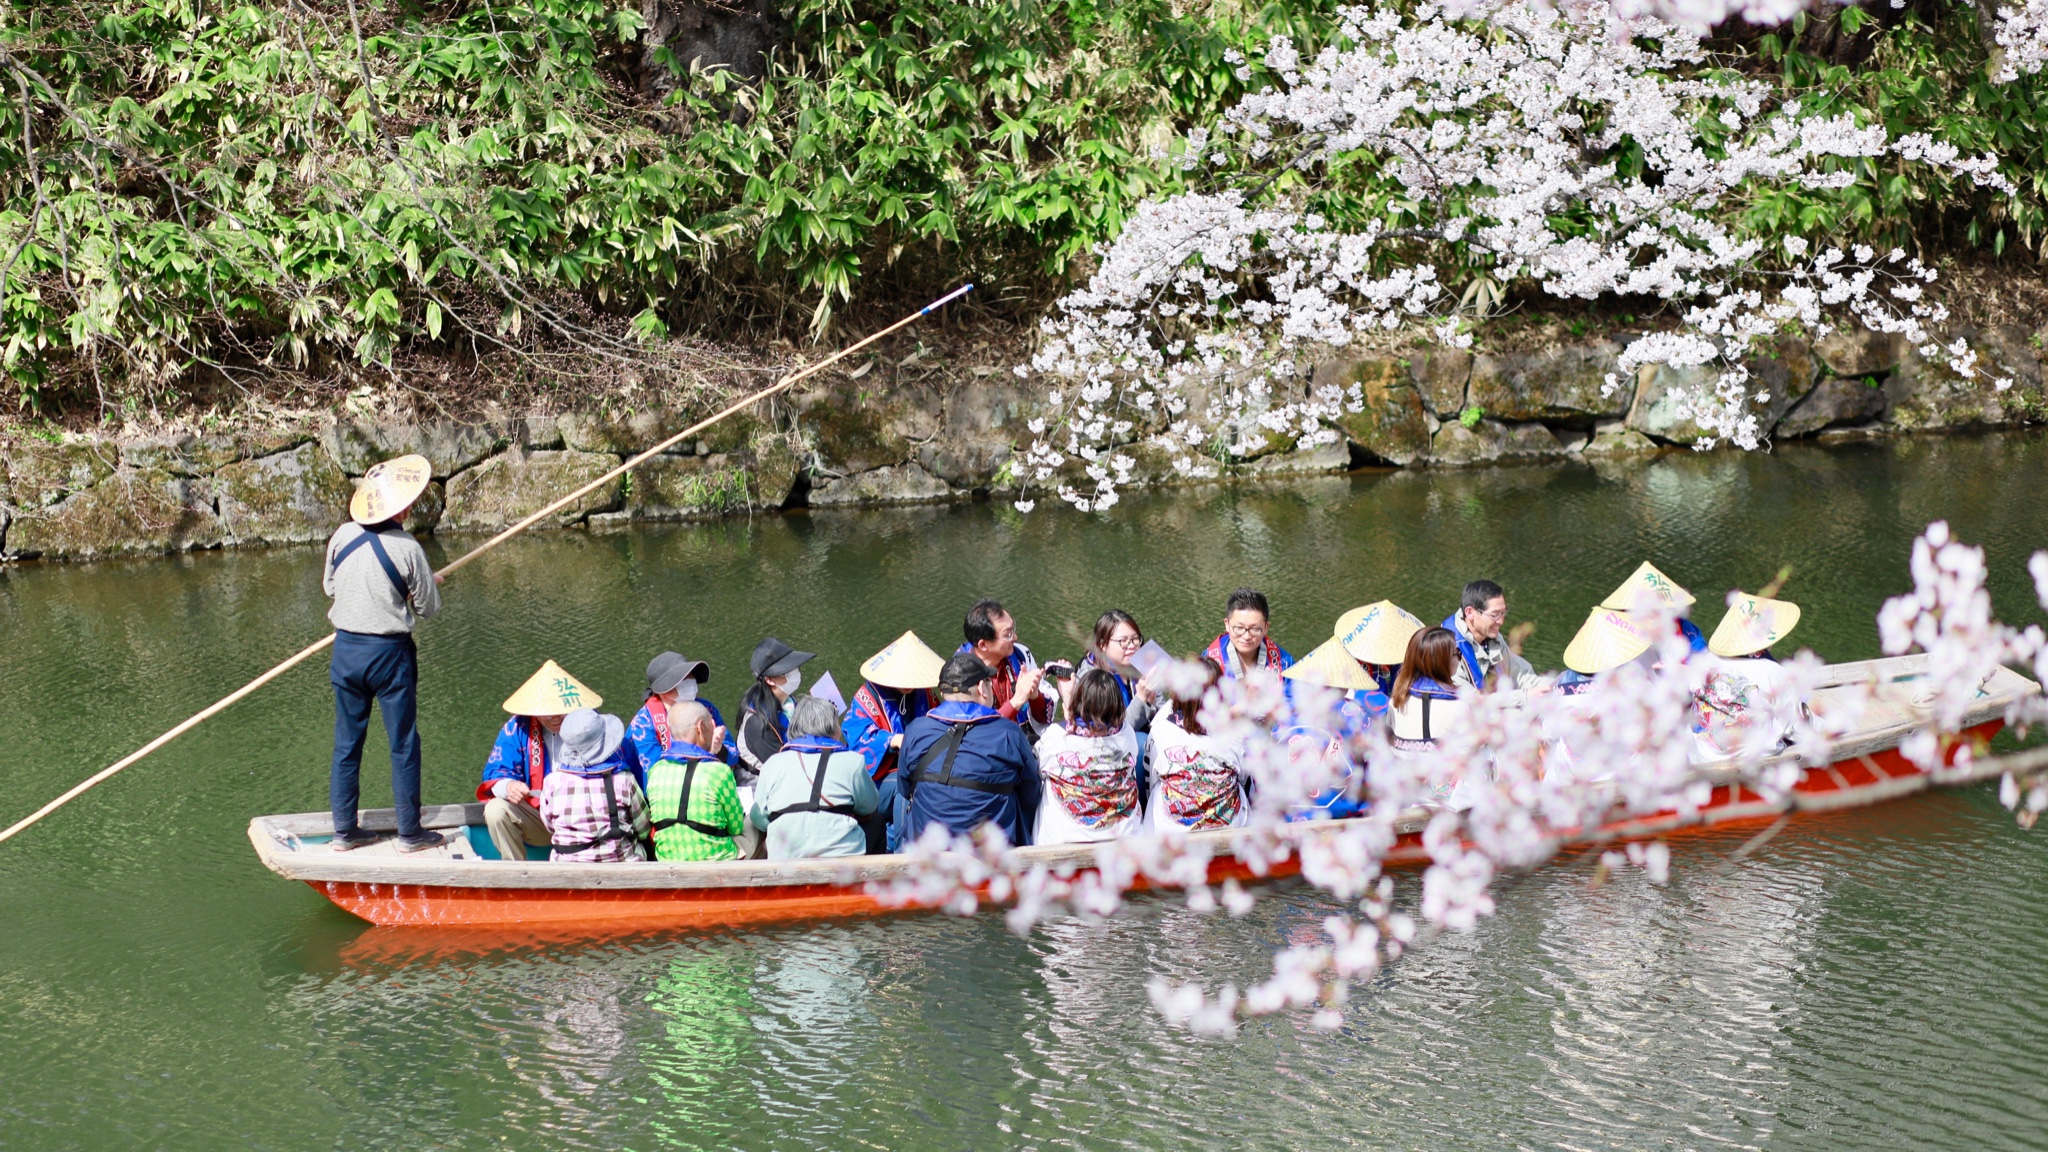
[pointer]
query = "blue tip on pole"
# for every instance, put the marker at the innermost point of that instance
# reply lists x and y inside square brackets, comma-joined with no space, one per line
[948,298]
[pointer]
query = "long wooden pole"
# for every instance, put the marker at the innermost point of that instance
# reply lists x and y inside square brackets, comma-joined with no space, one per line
[299,657]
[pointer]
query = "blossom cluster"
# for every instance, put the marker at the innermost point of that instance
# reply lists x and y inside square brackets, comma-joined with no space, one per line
[1585,152]
[1524,774]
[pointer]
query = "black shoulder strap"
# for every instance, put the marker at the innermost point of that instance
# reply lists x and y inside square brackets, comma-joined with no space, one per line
[817,801]
[683,810]
[1425,718]
[383,561]
[611,814]
[951,743]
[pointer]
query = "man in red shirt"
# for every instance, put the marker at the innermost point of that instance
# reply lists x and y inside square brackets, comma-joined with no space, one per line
[992,637]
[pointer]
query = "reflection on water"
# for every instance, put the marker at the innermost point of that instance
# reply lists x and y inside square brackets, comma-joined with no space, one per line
[1863,980]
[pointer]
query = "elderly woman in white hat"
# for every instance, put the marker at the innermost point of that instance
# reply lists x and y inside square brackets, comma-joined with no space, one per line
[1743,697]
[382,584]
[591,803]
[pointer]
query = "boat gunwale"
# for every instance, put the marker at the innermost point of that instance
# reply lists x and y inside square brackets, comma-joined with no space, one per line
[272,836]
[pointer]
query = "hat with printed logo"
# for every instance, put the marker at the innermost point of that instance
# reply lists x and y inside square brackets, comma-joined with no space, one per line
[1752,624]
[1332,667]
[905,664]
[389,488]
[1647,588]
[1378,633]
[551,692]
[1608,639]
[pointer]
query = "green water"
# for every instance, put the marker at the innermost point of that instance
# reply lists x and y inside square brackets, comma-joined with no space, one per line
[1873,979]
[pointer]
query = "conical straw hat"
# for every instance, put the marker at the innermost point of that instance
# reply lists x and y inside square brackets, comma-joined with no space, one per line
[1331,666]
[1378,633]
[389,488]
[906,663]
[1647,585]
[1608,639]
[551,692]
[1752,625]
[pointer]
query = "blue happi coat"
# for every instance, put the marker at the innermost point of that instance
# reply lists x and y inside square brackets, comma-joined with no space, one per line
[994,753]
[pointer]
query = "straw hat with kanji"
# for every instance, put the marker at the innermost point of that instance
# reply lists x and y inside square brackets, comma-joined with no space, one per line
[1607,640]
[1378,633]
[551,692]
[906,663]
[1331,666]
[1646,587]
[389,488]
[1753,623]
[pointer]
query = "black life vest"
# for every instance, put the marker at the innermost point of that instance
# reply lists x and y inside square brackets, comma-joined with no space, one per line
[683,809]
[817,801]
[950,745]
[617,831]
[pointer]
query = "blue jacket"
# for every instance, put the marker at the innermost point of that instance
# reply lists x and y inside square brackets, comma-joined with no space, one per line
[1331,803]
[873,716]
[1466,650]
[1693,636]
[994,753]
[510,761]
[644,741]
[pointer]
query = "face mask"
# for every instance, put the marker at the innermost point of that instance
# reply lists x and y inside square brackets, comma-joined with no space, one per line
[686,691]
[791,681]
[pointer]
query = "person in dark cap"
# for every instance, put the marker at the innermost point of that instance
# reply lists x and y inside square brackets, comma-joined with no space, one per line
[764,710]
[966,764]
[672,679]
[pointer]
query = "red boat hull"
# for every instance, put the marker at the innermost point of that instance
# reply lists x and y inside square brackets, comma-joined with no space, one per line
[1867,779]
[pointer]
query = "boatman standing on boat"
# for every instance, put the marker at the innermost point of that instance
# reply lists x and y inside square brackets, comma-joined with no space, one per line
[382,583]
[529,747]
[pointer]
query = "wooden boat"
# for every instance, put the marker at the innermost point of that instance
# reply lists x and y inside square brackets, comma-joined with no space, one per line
[465,885]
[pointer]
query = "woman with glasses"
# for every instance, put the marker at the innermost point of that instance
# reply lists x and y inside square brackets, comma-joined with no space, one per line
[1117,639]
[1246,642]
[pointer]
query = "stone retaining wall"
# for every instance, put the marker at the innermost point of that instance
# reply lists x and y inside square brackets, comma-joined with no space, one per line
[849,444]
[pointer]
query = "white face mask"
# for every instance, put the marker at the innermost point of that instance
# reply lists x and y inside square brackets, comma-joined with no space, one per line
[686,691]
[791,681]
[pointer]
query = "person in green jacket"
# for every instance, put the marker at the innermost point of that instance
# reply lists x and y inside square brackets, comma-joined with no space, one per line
[691,794]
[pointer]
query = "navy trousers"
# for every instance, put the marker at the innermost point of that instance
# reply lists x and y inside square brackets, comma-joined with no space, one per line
[385,669]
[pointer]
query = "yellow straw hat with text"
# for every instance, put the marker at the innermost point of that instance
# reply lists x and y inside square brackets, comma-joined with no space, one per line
[389,488]
[1752,624]
[906,663]
[1646,587]
[1331,666]
[1378,633]
[1608,639]
[551,692]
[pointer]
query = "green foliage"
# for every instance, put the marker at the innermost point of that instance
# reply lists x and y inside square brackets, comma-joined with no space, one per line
[1471,416]
[193,190]
[1921,75]
[193,194]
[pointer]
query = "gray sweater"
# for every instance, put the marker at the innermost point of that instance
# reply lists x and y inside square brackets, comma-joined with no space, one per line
[364,598]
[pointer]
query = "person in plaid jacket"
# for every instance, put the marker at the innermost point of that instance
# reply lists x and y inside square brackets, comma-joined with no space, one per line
[591,803]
